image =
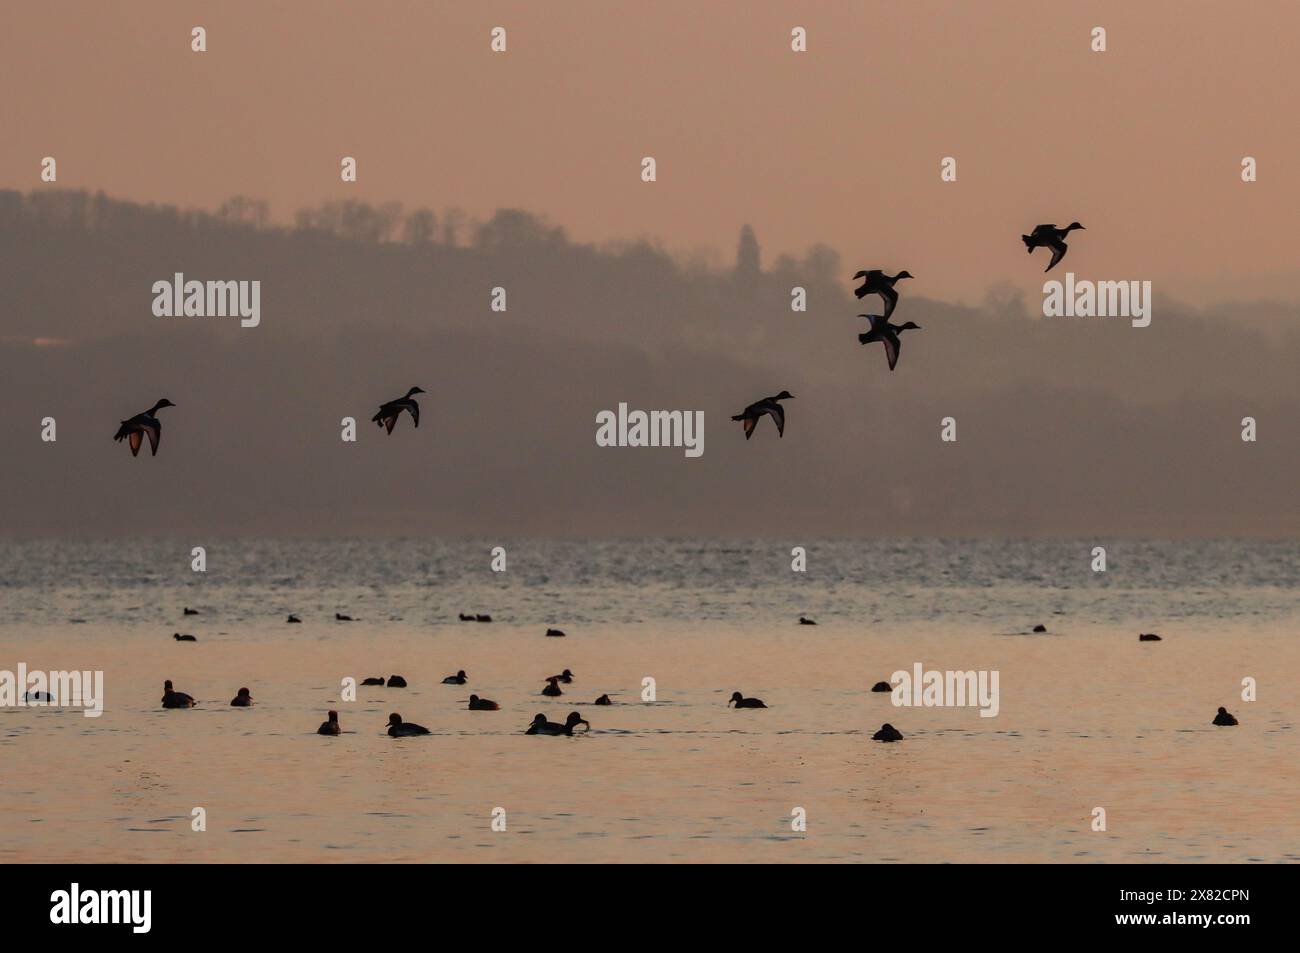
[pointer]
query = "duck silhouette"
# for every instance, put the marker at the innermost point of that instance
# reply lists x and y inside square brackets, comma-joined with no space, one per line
[1149,637]
[803,621]
[143,424]
[1223,719]
[768,405]
[879,283]
[541,726]
[404,729]
[330,727]
[242,699]
[189,611]
[175,699]
[340,617]
[887,334]
[396,681]
[882,687]
[482,704]
[181,637]
[566,677]
[552,689]
[459,678]
[602,700]
[742,702]
[887,732]
[390,411]
[373,681]
[293,618]
[554,634]
[1049,236]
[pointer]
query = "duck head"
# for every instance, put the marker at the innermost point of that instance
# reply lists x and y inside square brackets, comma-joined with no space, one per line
[461,674]
[903,274]
[735,697]
[1222,710]
[784,395]
[334,716]
[539,720]
[243,693]
[566,674]
[1073,225]
[860,274]
[414,390]
[167,687]
[160,405]
[394,719]
[574,720]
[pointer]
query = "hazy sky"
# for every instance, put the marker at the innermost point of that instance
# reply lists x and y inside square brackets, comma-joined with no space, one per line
[1072,427]
[840,145]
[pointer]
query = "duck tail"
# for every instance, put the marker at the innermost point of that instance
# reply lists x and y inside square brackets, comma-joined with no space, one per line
[738,417]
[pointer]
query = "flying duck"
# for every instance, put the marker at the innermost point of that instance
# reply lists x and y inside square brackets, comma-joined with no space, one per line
[882,687]
[743,702]
[373,681]
[457,679]
[389,412]
[1149,637]
[243,699]
[402,729]
[1049,236]
[1223,718]
[174,699]
[541,726]
[879,283]
[552,688]
[887,732]
[135,429]
[768,405]
[566,677]
[602,700]
[554,634]
[886,334]
[183,638]
[396,681]
[482,704]
[330,727]
[189,611]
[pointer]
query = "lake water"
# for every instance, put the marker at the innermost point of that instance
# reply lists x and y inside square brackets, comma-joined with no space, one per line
[1088,716]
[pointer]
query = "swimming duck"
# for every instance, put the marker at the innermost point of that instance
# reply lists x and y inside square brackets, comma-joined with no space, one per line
[330,727]
[803,621]
[879,283]
[1149,637]
[340,617]
[743,702]
[293,618]
[1040,628]
[37,696]
[541,726]
[552,688]
[603,700]
[768,405]
[566,677]
[135,429]
[457,679]
[887,334]
[396,681]
[887,732]
[482,704]
[482,618]
[373,681]
[183,638]
[1049,236]
[389,412]
[189,611]
[1223,719]
[402,729]
[882,687]
[554,634]
[174,699]
[466,618]
[243,699]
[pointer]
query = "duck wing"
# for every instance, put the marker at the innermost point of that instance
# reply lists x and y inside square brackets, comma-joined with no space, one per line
[154,430]
[778,414]
[1059,249]
[750,423]
[414,408]
[891,342]
[135,438]
[890,297]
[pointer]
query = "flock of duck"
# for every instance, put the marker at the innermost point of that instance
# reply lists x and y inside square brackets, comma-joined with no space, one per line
[874,282]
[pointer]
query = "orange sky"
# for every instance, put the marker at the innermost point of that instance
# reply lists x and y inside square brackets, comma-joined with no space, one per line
[839,145]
